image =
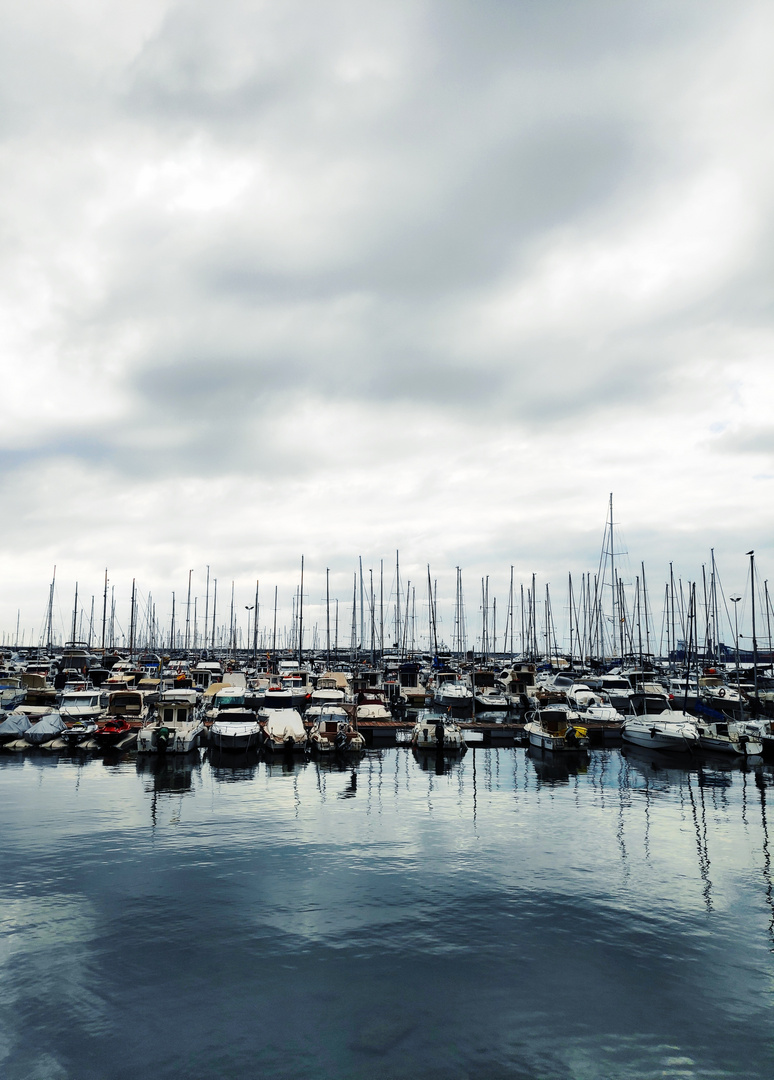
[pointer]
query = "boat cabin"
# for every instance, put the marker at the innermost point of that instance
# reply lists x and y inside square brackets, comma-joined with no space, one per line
[126,704]
[176,706]
[650,704]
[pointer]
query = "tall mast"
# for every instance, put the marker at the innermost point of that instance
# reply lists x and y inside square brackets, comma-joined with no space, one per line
[353,630]
[754,639]
[255,626]
[301,615]
[328,614]
[397,602]
[433,633]
[131,623]
[672,603]
[104,610]
[381,610]
[612,570]
[214,610]
[188,614]
[510,613]
[206,607]
[274,632]
[50,618]
[373,620]
[75,615]
[362,623]
[232,627]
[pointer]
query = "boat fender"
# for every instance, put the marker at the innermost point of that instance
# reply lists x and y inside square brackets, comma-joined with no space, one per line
[653,733]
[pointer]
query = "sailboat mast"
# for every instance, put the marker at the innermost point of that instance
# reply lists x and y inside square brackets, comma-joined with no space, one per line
[328,614]
[75,615]
[50,619]
[207,607]
[255,625]
[131,623]
[754,639]
[301,615]
[104,610]
[510,616]
[397,600]
[188,614]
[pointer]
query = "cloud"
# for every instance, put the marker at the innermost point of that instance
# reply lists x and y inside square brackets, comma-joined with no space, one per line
[498,258]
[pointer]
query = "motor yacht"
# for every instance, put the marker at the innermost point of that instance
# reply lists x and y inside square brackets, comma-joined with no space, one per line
[556,727]
[176,726]
[437,733]
[654,724]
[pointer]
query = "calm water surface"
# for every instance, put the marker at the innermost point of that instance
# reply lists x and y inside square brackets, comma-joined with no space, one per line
[494,917]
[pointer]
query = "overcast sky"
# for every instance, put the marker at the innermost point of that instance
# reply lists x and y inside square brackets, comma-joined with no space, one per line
[339,279]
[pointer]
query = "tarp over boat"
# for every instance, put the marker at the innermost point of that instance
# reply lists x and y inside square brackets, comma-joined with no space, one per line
[14,726]
[46,729]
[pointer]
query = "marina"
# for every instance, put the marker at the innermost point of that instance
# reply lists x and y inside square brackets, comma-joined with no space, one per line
[546,863]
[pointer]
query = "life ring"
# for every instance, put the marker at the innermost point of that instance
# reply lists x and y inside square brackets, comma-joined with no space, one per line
[722,692]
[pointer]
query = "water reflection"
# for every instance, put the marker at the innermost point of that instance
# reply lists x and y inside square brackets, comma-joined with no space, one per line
[350,791]
[170,774]
[441,943]
[437,761]
[558,768]
[227,767]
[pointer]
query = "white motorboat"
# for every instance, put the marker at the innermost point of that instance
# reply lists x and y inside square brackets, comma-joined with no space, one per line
[12,692]
[489,699]
[83,705]
[133,706]
[437,733]
[556,728]
[452,692]
[374,711]
[236,730]
[333,732]
[716,693]
[277,697]
[655,725]
[283,730]
[225,698]
[328,691]
[728,738]
[175,728]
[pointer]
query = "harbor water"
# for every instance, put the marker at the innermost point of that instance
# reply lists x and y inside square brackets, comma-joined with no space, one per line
[602,915]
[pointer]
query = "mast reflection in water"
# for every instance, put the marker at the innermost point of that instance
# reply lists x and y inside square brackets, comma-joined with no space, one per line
[500,914]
